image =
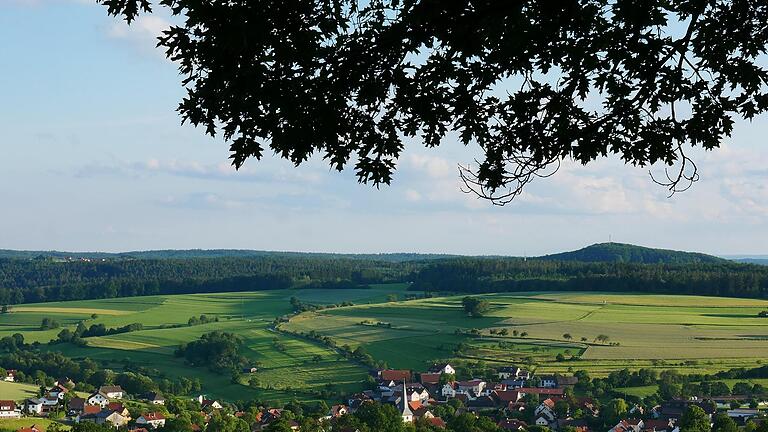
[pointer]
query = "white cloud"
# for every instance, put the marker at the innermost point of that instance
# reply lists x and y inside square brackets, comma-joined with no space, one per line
[142,33]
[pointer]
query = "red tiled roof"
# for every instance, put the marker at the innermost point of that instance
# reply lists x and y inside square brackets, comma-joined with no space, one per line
[437,422]
[91,409]
[507,395]
[395,375]
[153,416]
[430,378]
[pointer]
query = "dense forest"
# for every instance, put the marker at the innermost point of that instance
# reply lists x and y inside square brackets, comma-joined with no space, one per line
[624,268]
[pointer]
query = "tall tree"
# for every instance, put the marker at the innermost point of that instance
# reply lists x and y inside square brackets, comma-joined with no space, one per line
[694,420]
[531,82]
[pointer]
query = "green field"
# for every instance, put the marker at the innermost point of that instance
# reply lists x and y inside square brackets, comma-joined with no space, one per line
[662,331]
[294,373]
[686,333]
[14,424]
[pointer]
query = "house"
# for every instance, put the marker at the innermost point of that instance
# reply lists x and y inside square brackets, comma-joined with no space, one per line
[88,414]
[337,411]
[250,370]
[76,405]
[405,409]
[155,398]
[546,420]
[153,419]
[506,396]
[548,406]
[32,428]
[97,399]
[33,406]
[395,375]
[629,425]
[416,392]
[474,386]
[512,425]
[481,403]
[436,422]
[448,390]
[10,375]
[113,418]
[548,381]
[208,403]
[8,409]
[566,381]
[655,425]
[513,373]
[429,378]
[112,392]
[443,368]
[64,382]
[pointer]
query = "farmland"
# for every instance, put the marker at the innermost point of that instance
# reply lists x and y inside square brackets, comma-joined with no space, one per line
[661,331]
[299,371]
[686,333]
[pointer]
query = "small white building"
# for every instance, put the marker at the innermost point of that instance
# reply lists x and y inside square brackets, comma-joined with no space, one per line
[153,419]
[34,406]
[112,392]
[97,399]
[8,409]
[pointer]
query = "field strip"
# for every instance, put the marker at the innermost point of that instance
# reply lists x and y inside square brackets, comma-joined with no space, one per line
[66,310]
[122,344]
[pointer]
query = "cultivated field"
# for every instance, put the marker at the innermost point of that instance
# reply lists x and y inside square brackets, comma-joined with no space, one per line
[683,332]
[293,373]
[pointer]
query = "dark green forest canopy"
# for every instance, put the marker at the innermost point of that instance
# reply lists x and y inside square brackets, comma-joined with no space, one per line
[625,268]
[530,82]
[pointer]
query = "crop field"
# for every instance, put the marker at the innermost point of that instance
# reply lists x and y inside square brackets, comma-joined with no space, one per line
[662,331]
[665,332]
[301,369]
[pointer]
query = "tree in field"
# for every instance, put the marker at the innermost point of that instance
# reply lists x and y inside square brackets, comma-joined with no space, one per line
[602,338]
[475,307]
[530,83]
[567,336]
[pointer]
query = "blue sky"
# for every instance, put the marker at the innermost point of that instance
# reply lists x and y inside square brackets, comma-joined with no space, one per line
[94,158]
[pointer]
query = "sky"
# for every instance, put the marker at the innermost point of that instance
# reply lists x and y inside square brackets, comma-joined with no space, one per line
[94,158]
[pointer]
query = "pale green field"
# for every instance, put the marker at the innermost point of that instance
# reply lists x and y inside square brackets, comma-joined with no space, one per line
[41,423]
[17,391]
[721,332]
[294,373]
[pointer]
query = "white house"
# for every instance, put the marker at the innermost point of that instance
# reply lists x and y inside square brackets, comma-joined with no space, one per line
[8,409]
[548,381]
[153,419]
[34,406]
[10,375]
[475,386]
[112,392]
[443,368]
[97,399]
[513,373]
[449,390]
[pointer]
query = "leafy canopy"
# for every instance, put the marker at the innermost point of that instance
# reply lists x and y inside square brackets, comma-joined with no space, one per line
[531,82]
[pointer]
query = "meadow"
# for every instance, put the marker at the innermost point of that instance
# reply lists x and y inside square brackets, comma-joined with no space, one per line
[658,331]
[686,333]
[298,372]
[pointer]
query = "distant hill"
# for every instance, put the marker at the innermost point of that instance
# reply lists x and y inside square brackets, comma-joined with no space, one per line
[758,261]
[211,253]
[620,252]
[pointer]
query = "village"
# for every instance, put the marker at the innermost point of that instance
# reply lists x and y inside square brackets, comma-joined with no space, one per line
[515,400]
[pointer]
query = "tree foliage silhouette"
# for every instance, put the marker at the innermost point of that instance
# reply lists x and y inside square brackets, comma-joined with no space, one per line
[531,82]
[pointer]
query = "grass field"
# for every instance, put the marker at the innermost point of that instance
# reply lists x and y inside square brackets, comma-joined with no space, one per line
[681,332]
[294,373]
[665,332]
[17,391]
[14,424]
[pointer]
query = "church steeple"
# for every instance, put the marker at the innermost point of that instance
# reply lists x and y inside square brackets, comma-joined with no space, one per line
[406,409]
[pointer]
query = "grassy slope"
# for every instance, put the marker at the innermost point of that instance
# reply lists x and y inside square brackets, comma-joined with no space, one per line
[14,424]
[286,374]
[722,331]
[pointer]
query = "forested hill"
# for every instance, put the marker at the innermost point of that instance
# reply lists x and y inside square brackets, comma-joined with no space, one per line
[211,253]
[627,253]
[38,277]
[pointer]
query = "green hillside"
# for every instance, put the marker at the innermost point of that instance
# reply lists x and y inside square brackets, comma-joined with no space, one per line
[627,253]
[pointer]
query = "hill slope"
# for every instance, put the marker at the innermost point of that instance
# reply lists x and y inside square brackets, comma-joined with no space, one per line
[620,252]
